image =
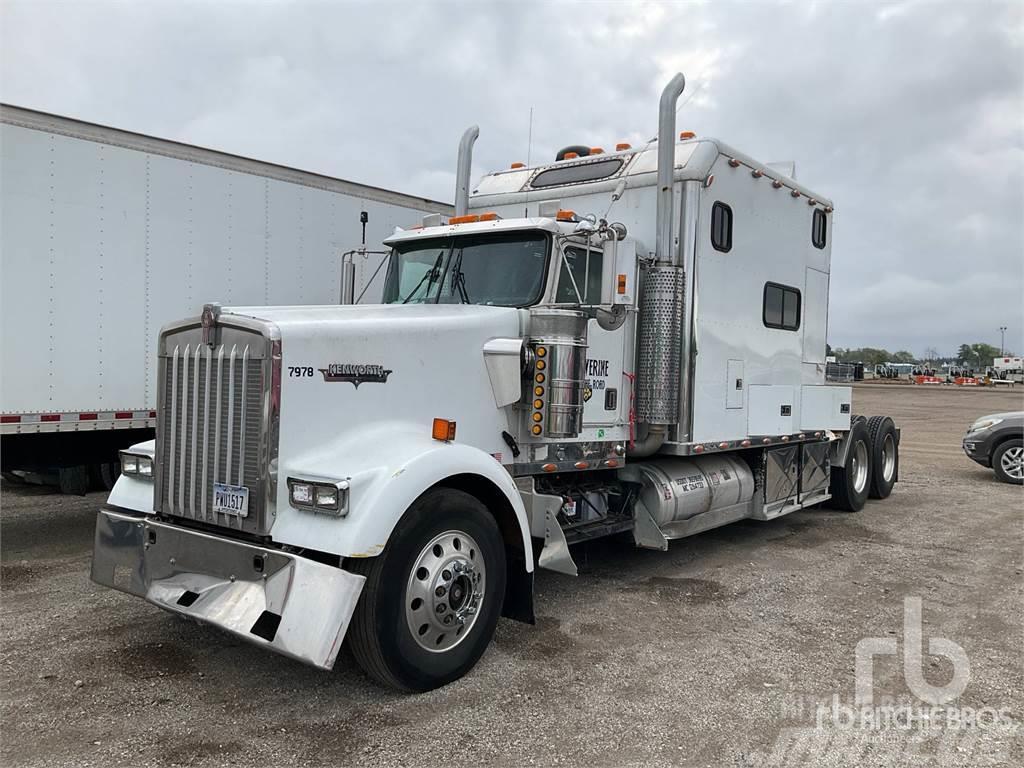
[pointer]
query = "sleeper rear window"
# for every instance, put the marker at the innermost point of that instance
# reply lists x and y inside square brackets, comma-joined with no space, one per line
[575,174]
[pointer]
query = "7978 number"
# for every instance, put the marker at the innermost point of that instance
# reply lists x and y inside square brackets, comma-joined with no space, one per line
[300,370]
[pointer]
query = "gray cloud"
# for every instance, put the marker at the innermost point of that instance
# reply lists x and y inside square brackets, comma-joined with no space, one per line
[909,116]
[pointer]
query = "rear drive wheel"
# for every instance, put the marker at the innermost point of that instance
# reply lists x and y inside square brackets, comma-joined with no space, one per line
[849,486]
[1008,461]
[432,599]
[885,456]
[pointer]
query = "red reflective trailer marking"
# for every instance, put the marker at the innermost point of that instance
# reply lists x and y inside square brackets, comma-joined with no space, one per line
[123,415]
[87,417]
[10,419]
[50,417]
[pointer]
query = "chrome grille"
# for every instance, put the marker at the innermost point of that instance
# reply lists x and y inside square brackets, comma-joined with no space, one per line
[210,427]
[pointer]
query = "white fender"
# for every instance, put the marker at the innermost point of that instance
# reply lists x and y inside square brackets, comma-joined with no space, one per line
[387,469]
[131,491]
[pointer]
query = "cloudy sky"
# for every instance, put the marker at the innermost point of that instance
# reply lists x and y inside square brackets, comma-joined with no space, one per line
[910,115]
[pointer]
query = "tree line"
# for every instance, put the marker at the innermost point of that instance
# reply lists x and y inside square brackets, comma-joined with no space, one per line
[977,356]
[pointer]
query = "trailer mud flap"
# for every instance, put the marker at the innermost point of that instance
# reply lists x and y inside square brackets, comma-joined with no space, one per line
[290,604]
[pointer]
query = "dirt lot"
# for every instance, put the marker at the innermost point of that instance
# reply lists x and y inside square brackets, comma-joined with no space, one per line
[712,654]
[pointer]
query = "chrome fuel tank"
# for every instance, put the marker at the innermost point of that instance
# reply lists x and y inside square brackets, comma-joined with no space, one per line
[676,489]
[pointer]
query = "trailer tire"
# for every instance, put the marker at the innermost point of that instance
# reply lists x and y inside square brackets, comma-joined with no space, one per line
[850,484]
[104,474]
[438,584]
[73,480]
[885,456]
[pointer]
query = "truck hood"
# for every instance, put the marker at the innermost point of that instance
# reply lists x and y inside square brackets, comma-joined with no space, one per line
[350,319]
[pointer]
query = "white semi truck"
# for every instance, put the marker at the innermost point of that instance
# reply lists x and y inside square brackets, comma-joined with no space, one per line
[626,342]
[106,235]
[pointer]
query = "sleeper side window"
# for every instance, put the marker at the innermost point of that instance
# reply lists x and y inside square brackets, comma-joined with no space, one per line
[721,227]
[818,228]
[781,307]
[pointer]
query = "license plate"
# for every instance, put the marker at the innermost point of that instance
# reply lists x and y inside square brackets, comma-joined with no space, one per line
[231,499]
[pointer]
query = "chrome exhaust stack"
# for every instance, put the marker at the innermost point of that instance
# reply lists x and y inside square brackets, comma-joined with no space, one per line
[464,168]
[662,298]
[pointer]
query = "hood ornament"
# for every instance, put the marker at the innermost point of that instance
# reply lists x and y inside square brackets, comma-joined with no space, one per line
[211,312]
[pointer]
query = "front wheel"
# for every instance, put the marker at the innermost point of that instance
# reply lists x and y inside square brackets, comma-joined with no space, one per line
[1008,461]
[432,599]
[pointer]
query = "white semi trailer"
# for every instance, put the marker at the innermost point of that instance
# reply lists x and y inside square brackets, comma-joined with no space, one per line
[628,341]
[106,235]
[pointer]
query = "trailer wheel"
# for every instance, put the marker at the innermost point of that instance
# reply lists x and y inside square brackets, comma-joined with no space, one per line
[885,456]
[73,480]
[432,598]
[1008,461]
[850,484]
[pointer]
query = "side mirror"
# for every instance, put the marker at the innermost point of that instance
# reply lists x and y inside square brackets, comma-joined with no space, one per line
[618,278]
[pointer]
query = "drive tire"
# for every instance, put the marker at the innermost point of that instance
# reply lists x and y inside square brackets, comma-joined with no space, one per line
[1010,451]
[850,484]
[885,456]
[382,636]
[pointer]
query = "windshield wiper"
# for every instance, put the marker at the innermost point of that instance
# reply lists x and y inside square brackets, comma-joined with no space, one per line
[432,274]
[459,279]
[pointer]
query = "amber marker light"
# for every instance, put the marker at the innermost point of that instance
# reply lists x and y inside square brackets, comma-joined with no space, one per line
[443,430]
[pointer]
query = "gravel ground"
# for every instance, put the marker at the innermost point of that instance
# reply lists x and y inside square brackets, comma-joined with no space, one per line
[712,654]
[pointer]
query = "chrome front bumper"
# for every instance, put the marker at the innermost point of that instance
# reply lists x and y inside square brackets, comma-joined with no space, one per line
[290,604]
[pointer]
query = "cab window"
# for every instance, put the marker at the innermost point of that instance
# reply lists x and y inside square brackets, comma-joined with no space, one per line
[586,267]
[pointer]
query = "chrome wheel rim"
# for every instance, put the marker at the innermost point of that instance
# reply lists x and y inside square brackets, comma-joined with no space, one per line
[445,591]
[1012,462]
[859,457]
[888,458]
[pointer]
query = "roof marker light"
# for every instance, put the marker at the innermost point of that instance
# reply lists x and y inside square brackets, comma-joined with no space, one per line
[514,166]
[570,156]
[489,216]
[687,135]
[709,180]
[757,173]
[794,193]
[549,467]
[622,146]
[745,443]
[597,150]
[811,201]
[469,218]
[734,163]
[564,215]
[776,183]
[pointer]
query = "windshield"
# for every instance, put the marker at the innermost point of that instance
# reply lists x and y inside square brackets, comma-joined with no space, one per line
[504,270]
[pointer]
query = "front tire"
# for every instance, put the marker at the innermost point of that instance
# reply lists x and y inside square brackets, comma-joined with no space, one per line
[850,484]
[1008,461]
[432,599]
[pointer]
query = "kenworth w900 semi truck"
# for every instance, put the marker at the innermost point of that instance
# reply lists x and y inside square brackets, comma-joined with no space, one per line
[615,342]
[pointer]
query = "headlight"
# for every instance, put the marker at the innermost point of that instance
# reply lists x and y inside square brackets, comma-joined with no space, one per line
[981,424]
[319,495]
[137,464]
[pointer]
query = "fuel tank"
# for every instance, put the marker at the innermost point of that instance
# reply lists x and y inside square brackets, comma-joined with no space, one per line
[677,489]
